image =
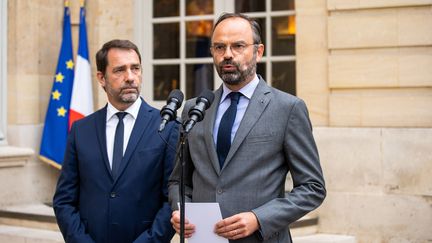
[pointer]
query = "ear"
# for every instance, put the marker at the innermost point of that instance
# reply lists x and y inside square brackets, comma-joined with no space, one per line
[260,52]
[101,78]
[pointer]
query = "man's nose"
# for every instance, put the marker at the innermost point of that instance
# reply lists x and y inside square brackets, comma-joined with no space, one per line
[228,53]
[130,76]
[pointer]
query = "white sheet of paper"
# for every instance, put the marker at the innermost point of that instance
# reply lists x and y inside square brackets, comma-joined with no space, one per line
[204,216]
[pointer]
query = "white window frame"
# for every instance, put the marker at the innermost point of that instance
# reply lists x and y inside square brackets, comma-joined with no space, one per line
[3,71]
[144,39]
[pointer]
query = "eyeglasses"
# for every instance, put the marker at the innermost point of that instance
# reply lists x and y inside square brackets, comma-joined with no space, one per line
[236,48]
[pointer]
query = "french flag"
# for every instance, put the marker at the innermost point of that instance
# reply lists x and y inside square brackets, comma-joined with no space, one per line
[82,95]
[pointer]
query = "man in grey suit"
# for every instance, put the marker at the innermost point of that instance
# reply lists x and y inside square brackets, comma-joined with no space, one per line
[251,137]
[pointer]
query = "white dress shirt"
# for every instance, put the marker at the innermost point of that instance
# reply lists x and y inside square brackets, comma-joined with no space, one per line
[247,92]
[111,125]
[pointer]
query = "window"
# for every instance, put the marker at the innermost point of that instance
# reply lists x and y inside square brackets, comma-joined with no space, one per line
[277,20]
[3,68]
[174,37]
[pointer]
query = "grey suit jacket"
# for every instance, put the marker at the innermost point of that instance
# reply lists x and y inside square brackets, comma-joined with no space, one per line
[274,138]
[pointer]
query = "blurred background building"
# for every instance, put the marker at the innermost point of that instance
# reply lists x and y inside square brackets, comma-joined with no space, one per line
[363,67]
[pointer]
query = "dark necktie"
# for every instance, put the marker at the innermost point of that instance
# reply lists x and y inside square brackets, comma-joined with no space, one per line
[225,127]
[118,144]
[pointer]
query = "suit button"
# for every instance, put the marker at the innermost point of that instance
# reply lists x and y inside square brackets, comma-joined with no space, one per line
[113,195]
[219,191]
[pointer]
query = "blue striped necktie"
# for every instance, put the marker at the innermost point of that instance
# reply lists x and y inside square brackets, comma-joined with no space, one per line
[118,144]
[225,128]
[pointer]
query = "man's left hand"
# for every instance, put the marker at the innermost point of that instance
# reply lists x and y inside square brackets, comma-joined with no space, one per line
[237,226]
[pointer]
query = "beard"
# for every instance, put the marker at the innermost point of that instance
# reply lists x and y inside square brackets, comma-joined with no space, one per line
[129,93]
[237,76]
[129,97]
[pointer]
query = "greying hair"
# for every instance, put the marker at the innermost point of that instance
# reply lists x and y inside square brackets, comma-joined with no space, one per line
[256,28]
[101,55]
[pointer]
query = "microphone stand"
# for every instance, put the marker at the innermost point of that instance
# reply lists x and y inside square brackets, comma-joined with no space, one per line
[183,141]
[181,155]
[198,112]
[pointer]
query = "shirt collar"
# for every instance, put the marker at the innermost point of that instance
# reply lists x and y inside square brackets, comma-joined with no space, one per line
[131,110]
[247,91]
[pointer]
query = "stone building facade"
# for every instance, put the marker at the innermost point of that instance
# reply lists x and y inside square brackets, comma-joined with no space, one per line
[364,68]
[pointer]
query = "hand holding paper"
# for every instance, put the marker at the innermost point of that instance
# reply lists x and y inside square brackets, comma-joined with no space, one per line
[175,221]
[237,226]
[204,217]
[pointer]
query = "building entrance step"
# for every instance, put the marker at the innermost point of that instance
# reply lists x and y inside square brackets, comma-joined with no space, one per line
[16,234]
[37,216]
[324,238]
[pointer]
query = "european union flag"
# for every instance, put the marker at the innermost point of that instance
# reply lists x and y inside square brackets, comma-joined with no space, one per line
[57,117]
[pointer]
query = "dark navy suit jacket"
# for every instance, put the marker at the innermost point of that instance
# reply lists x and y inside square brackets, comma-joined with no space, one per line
[92,206]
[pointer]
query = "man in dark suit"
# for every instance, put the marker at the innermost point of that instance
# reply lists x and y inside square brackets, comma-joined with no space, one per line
[113,184]
[251,137]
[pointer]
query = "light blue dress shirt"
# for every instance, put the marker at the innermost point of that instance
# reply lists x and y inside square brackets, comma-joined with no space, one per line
[247,92]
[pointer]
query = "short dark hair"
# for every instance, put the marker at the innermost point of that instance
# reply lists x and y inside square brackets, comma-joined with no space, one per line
[256,28]
[101,55]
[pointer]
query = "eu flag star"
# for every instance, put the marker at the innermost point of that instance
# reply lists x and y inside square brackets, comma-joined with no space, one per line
[56,95]
[59,77]
[61,111]
[69,64]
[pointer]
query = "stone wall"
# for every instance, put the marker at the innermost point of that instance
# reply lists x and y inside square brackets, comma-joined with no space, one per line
[311,58]
[33,30]
[364,71]
[34,38]
[380,54]
[378,181]
[363,68]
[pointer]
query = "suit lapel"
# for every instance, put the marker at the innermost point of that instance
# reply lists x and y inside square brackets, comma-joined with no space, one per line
[208,130]
[141,123]
[256,107]
[100,124]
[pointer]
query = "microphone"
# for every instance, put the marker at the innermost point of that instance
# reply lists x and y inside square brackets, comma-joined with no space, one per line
[169,111]
[196,113]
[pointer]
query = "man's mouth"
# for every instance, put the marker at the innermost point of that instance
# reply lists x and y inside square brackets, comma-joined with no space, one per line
[229,68]
[129,90]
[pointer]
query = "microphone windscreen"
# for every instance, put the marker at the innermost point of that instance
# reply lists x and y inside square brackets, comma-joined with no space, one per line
[208,95]
[177,94]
